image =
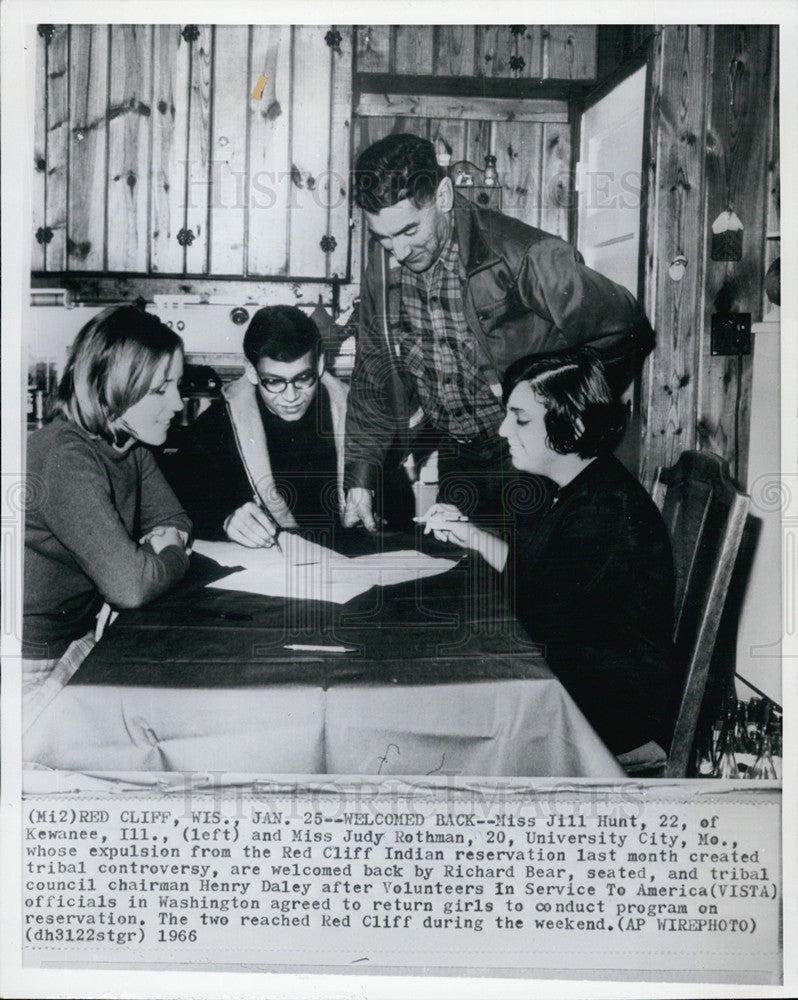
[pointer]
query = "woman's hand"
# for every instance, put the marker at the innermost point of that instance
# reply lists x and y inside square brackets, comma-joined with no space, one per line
[164,535]
[448,524]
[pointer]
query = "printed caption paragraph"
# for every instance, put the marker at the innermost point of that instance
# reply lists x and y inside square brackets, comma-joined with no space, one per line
[499,879]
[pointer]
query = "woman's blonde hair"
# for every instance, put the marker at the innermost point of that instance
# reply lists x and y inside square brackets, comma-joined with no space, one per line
[111,367]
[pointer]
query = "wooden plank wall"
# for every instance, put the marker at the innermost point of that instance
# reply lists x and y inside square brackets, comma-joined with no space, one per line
[531,51]
[269,157]
[144,131]
[675,227]
[711,129]
[39,180]
[129,142]
[736,177]
[231,79]
[335,185]
[88,135]
[533,157]
[171,67]
[198,167]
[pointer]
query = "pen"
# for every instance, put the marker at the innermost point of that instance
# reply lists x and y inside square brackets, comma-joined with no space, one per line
[301,648]
[440,520]
[270,518]
[255,495]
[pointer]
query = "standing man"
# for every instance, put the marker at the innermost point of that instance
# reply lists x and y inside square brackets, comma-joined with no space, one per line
[453,294]
[271,450]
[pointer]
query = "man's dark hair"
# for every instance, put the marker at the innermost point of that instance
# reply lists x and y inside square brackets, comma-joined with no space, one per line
[282,333]
[582,415]
[394,168]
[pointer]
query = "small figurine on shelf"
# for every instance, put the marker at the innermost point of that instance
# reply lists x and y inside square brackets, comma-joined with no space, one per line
[463,178]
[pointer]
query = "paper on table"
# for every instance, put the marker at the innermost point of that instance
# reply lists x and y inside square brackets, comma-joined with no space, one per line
[310,571]
[295,549]
[385,568]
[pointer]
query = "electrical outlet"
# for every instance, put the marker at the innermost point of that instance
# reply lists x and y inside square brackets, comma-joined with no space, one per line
[730,334]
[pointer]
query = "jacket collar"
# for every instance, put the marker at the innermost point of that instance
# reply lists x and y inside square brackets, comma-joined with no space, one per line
[251,440]
[475,252]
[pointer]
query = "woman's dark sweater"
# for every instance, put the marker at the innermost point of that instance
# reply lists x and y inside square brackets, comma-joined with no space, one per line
[591,579]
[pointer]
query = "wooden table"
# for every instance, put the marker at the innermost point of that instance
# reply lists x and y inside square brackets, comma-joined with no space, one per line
[442,680]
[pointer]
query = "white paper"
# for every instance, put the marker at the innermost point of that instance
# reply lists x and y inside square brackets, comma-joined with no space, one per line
[310,571]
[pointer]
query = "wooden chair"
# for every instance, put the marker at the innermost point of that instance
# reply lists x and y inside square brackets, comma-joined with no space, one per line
[705,515]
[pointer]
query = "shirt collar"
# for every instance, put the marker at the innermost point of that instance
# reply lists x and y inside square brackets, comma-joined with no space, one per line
[449,255]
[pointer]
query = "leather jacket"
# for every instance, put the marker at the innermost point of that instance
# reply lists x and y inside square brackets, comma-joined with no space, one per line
[525,292]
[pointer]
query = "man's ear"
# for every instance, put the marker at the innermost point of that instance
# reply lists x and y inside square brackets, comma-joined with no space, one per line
[251,374]
[444,196]
[320,363]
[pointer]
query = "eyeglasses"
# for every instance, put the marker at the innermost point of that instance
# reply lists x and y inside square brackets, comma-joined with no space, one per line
[275,385]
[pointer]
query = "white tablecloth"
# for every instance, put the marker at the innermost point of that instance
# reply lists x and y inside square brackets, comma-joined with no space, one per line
[512,728]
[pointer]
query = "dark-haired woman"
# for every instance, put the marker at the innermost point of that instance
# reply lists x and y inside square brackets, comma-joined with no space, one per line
[102,525]
[590,574]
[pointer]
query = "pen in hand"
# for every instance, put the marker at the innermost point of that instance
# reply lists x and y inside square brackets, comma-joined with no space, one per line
[270,517]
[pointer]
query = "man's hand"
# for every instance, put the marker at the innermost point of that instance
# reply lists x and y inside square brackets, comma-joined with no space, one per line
[359,508]
[250,526]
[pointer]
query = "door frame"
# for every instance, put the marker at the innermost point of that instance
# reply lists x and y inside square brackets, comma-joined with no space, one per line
[639,59]
[631,448]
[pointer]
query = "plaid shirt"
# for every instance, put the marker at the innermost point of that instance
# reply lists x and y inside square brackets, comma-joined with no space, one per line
[438,349]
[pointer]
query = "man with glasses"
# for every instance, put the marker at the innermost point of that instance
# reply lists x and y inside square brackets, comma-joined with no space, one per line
[271,451]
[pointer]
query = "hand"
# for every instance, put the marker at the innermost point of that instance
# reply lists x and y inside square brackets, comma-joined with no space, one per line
[250,526]
[159,530]
[448,524]
[164,535]
[359,508]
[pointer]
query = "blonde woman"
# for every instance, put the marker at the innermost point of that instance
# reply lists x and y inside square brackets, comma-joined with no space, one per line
[102,525]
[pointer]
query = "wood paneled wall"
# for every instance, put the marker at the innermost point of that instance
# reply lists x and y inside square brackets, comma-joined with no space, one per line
[711,128]
[152,157]
[533,157]
[523,51]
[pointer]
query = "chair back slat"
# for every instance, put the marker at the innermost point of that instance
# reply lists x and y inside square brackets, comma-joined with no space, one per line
[705,515]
